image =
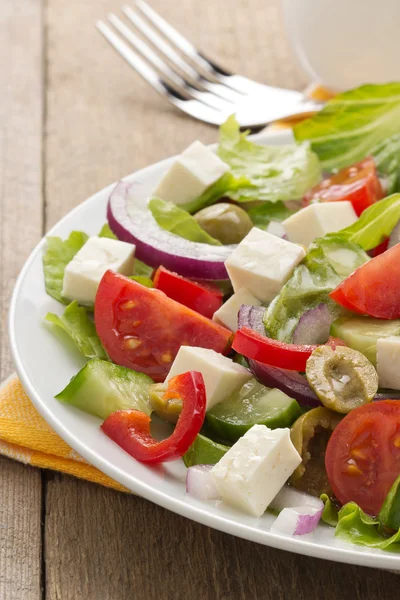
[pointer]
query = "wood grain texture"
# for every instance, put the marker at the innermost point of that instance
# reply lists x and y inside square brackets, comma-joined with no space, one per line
[20,229]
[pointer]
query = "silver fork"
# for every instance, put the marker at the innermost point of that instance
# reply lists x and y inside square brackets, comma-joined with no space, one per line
[189,80]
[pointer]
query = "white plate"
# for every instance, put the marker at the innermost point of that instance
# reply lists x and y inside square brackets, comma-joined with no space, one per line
[45,364]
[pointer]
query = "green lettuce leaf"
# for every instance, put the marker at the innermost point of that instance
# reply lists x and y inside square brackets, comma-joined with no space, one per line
[375,224]
[225,186]
[178,221]
[358,528]
[58,254]
[266,212]
[330,512]
[327,262]
[143,280]
[80,328]
[387,160]
[105,231]
[351,125]
[273,172]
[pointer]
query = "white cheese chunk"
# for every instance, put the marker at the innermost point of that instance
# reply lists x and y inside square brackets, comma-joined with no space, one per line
[83,274]
[227,315]
[255,468]
[388,362]
[317,220]
[262,263]
[190,175]
[222,377]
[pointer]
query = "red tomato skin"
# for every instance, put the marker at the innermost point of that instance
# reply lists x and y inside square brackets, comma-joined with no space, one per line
[202,299]
[130,429]
[373,288]
[358,184]
[143,329]
[362,458]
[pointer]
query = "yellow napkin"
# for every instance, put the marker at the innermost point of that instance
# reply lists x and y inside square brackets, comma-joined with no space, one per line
[24,434]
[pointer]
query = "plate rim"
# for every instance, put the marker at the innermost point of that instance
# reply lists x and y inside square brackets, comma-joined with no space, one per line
[353,555]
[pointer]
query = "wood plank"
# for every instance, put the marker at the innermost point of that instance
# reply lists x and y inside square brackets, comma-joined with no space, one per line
[21,77]
[104,122]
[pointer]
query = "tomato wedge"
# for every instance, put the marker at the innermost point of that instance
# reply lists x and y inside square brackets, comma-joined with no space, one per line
[373,288]
[203,299]
[359,184]
[130,429]
[362,458]
[143,329]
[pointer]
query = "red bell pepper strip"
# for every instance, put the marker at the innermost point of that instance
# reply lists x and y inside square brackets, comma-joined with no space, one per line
[130,429]
[204,299]
[272,352]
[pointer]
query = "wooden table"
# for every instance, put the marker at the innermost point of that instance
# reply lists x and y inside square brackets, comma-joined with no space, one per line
[73,118]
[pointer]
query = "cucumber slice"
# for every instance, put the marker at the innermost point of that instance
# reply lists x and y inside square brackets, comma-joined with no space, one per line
[101,388]
[362,333]
[204,451]
[254,404]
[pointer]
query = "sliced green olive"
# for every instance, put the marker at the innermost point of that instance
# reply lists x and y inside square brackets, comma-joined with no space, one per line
[225,222]
[167,409]
[310,434]
[342,378]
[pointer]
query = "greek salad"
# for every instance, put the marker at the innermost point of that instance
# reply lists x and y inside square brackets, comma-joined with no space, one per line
[253,303]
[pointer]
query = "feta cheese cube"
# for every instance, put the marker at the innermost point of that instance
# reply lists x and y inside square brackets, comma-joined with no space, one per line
[227,315]
[388,362]
[191,174]
[222,377]
[83,274]
[255,468]
[317,220]
[262,263]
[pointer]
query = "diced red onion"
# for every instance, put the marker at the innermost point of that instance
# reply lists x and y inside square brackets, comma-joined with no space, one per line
[297,520]
[394,236]
[131,221]
[200,483]
[252,317]
[289,497]
[313,326]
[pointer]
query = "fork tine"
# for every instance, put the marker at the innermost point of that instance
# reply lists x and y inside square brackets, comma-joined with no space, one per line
[132,58]
[179,40]
[215,88]
[158,42]
[159,64]
[194,108]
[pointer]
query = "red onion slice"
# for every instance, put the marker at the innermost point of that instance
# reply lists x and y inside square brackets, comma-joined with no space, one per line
[252,317]
[313,326]
[297,520]
[200,483]
[131,221]
[290,382]
[394,236]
